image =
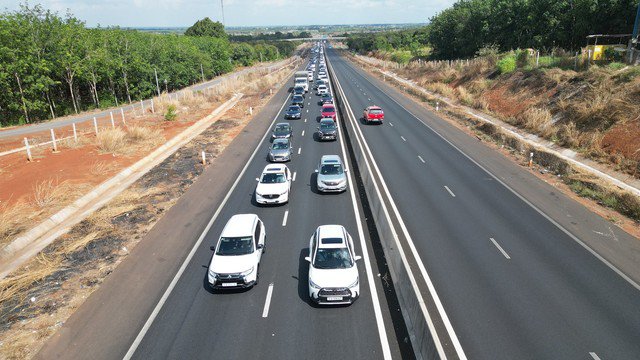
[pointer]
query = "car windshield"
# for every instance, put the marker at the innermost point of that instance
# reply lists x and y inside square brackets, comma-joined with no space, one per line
[235,246]
[282,129]
[294,108]
[328,109]
[375,111]
[273,178]
[280,146]
[331,169]
[297,98]
[327,126]
[332,259]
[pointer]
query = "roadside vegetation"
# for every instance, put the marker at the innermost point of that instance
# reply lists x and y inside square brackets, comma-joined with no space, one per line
[53,65]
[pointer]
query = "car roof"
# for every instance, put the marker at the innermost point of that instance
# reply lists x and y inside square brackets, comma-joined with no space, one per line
[374,107]
[327,120]
[329,159]
[274,168]
[331,232]
[327,106]
[240,225]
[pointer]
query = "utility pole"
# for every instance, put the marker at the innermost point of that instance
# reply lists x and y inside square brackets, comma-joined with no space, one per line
[634,36]
[222,7]
[157,85]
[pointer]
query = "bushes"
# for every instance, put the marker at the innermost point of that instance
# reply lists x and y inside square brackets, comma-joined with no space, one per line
[507,64]
[171,113]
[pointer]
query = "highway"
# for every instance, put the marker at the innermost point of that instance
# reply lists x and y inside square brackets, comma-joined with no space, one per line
[512,284]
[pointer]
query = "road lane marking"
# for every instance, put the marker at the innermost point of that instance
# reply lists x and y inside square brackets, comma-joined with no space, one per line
[308,103]
[185,263]
[267,302]
[299,150]
[382,333]
[284,219]
[302,132]
[294,176]
[369,99]
[449,190]
[500,248]
[391,124]
[402,137]
[307,110]
[594,356]
[421,159]
[305,120]
[373,167]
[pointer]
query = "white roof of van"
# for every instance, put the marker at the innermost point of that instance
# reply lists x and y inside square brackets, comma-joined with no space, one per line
[239,225]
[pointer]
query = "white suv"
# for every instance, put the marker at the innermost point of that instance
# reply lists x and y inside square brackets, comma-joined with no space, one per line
[236,258]
[322,89]
[333,273]
[273,185]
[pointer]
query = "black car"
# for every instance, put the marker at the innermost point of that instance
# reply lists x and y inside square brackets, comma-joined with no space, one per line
[293,112]
[298,90]
[298,100]
[327,130]
[326,99]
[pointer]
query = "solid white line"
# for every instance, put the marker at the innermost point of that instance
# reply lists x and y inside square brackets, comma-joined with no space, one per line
[449,190]
[382,333]
[402,137]
[500,248]
[299,150]
[443,315]
[294,176]
[284,220]
[267,302]
[183,267]
[302,132]
[534,207]
[421,159]
[594,356]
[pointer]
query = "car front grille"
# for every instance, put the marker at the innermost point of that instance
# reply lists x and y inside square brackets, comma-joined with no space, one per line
[325,292]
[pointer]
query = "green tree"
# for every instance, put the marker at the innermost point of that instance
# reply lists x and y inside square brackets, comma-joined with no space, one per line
[206,27]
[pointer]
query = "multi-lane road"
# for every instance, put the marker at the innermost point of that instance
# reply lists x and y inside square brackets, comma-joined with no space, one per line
[498,275]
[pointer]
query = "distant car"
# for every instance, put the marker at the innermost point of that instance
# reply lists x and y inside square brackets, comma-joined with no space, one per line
[373,114]
[328,111]
[332,176]
[273,185]
[319,82]
[333,272]
[327,129]
[298,90]
[236,258]
[322,89]
[297,100]
[282,131]
[293,112]
[326,98]
[280,150]
[310,75]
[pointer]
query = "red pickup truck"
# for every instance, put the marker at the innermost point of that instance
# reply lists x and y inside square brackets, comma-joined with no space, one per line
[373,114]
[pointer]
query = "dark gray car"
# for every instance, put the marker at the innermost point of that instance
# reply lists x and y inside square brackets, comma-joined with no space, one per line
[327,130]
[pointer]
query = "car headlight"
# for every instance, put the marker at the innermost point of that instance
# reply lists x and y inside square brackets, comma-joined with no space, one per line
[355,283]
[284,192]
[248,272]
[212,274]
[314,285]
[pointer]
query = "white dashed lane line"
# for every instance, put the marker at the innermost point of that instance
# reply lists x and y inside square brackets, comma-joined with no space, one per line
[500,248]
[302,133]
[267,302]
[594,356]
[299,151]
[402,137]
[284,220]
[391,124]
[421,159]
[449,190]
[294,176]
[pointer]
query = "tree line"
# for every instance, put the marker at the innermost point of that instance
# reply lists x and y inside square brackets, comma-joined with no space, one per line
[53,65]
[278,35]
[469,25]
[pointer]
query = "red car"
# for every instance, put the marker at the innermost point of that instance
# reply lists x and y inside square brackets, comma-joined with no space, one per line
[373,114]
[328,111]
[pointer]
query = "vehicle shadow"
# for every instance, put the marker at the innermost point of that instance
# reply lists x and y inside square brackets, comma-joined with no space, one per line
[225,292]
[303,278]
[313,184]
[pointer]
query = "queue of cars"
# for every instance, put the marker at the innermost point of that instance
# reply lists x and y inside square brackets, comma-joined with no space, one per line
[333,273]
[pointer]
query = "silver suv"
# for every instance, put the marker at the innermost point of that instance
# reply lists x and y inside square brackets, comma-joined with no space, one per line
[332,175]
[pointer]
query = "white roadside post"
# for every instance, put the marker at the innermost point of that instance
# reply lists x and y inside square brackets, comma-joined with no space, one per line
[153,109]
[142,108]
[250,110]
[531,159]
[122,114]
[437,106]
[75,132]
[113,124]
[53,141]
[95,125]
[26,145]
[537,58]
[204,158]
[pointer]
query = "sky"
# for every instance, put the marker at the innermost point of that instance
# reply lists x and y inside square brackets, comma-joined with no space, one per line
[182,13]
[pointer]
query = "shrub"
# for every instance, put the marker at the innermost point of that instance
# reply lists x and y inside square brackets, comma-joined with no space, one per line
[489,52]
[616,66]
[171,113]
[507,64]
[112,140]
[522,59]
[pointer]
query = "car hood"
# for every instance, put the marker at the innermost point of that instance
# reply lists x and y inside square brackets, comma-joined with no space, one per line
[293,112]
[279,152]
[232,264]
[331,278]
[281,133]
[334,178]
[278,188]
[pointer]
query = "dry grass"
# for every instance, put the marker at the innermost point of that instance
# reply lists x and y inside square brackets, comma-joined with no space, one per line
[537,120]
[111,140]
[135,138]
[12,218]
[46,192]
[464,96]
[442,89]
[101,168]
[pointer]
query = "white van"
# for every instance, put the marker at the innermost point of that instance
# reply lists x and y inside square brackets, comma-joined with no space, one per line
[302,82]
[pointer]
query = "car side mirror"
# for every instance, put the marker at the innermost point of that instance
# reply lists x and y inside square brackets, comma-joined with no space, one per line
[358,257]
[260,246]
[316,170]
[346,170]
[213,248]
[308,258]
[257,179]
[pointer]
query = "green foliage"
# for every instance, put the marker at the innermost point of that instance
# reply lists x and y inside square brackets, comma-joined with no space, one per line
[171,113]
[507,64]
[53,66]
[206,27]
[402,57]
[523,59]
[278,35]
[616,66]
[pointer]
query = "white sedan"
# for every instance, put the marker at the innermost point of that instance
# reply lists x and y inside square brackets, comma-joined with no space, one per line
[273,185]
[333,273]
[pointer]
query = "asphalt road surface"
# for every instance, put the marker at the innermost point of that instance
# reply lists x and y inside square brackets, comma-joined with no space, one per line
[512,283]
